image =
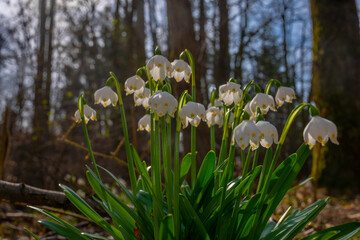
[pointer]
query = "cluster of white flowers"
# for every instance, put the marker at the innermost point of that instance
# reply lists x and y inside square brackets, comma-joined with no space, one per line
[248,133]
[159,68]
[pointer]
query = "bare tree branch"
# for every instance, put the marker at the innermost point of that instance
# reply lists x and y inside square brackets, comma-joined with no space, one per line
[22,193]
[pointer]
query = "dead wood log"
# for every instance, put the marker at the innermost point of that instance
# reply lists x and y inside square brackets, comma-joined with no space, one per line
[22,193]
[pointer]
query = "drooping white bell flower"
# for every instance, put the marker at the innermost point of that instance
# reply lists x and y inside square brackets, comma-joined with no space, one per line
[246,133]
[219,104]
[144,123]
[284,94]
[134,84]
[142,98]
[105,96]
[263,101]
[163,103]
[213,116]
[158,67]
[320,129]
[230,93]
[192,112]
[269,134]
[180,70]
[248,110]
[89,114]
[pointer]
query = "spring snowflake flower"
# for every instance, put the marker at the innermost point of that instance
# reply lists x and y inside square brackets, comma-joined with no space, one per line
[284,94]
[248,110]
[180,70]
[163,103]
[134,84]
[213,116]
[105,96]
[269,134]
[192,112]
[264,102]
[246,133]
[230,93]
[320,129]
[142,98]
[158,67]
[89,114]
[144,123]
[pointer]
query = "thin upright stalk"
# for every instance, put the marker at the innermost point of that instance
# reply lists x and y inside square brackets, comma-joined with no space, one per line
[176,185]
[129,158]
[167,164]
[193,129]
[88,143]
[212,138]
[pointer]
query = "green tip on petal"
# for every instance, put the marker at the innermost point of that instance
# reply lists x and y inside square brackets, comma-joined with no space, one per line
[157,51]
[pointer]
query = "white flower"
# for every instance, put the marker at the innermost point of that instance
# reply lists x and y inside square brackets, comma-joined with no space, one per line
[89,114]
[230,93]
[192,112]
[134,84]
[269,134]
[246,133]
[163,103]
[158,67]
[263,101]
[213,116]
[284,94]
[105,96]
[180,70]
[248,110]
[320,129]
[144,123]
[142,98]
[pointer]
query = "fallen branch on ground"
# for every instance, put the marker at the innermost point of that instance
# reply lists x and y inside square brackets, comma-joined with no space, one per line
[22,193]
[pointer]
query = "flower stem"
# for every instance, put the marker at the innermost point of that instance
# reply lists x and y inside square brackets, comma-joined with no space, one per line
[167,164]
[193,129]
[176,185]
[88,143]
[212,138]
[129,158]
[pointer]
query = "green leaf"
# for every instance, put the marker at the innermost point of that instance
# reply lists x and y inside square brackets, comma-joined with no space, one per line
[246,211]
[206,170]
[140,216]
[296,222]
[68,226]
[63,231]
[167,228]
[141,166]
[189,212]
[32,234]
[89,212]
[299,185]
[185,167]
[340,232]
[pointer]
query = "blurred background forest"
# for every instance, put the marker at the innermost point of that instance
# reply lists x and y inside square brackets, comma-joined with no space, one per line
[51,50]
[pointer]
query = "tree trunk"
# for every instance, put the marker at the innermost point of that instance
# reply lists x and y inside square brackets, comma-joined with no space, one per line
[46,100]
[222,68]
[38,120]
[181,37]
[336,86]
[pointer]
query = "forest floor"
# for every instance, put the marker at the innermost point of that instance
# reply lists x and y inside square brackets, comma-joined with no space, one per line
[14,218]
